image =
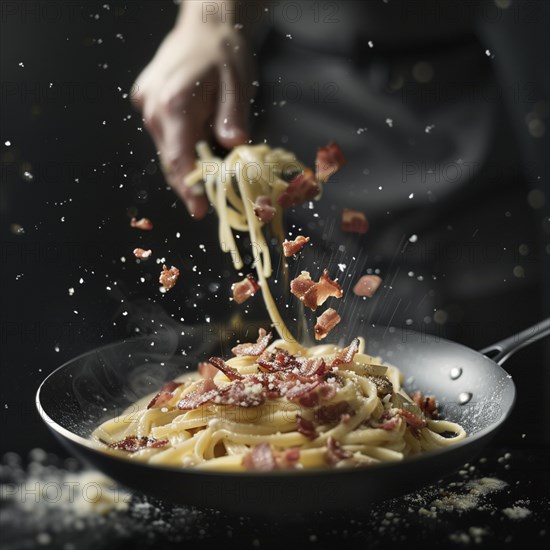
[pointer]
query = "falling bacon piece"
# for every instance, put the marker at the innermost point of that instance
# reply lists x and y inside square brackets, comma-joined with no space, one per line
[207,370]
[254,349]
[204,392]
[315,294]
[230,372]
[335,452]
[354,221]
[169,277]
[142,254]
[260,458]
[303,187]
[329,160]
[325,323]
[144,223]
[293,247]
[427,404]
[327,414]
[306,427]
[346,355]
[367,285]
[244,289]
[164,395]
[263,209]
[132,443]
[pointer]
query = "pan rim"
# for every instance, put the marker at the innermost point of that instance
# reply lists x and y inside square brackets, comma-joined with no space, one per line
[90,446]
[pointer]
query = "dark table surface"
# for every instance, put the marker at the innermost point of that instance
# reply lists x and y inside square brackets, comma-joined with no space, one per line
[500,499]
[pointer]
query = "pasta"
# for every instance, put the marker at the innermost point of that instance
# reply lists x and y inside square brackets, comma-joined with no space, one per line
[287,408]
[277,405]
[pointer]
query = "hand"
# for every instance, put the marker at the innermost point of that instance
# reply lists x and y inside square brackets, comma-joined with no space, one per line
[197,87]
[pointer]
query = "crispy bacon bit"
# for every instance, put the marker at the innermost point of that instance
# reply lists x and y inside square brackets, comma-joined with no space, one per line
[169,277]
[314,294]
[367,285]
[412,419]
[312,366]
[164,395]
[244,289]
[325,323]
[346,355]
[306,427]
[335,452]
[293,247]
[142,254]
[277,360]
[132,443]
[205,391]
[230,372]
[144,223]
[328,414]
[260,458]
[263,209]
[207,370]
[329,160]
[427,404]
[354,221]
[303,187]
[387,424]
[254,349]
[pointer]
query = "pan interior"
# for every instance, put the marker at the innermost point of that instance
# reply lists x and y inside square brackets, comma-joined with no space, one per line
[471,389]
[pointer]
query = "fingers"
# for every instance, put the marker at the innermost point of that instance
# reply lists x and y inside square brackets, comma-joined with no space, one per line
[231,124]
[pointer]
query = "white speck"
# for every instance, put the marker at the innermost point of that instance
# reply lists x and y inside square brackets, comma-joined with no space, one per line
[371,44]
[28,176]
[389,122]
[21,64]
[122,259]
[410,273]
[361,130]
[71,291]
[411,195]
[7,143]
[81,280]
[56,348]
[429,128]
[124,313]
[289,36]
[342,267]
[413,238]
[256,83]
[379,188]
[488,53]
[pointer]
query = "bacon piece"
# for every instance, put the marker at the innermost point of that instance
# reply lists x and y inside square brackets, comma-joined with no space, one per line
[132,443]
[312,366]
[306,427]
[293,247]
[241,393]
[263,209]
[325,323]
[385,424]
[302,392]
[204,392]
[164,395]
[335,452]
[142,254]
[144,223]
[427,404]
[244,289]
[277,360]
[254,349]
[354,221]
[346,355]
[412,419]
[327,414]
[303,187]
[290,457]
[329,160]
[169,277]
[230,372]
[314,294]
[367,285]
[260,458]
[207,370]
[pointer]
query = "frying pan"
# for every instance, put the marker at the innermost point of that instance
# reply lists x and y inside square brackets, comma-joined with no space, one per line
[471,388]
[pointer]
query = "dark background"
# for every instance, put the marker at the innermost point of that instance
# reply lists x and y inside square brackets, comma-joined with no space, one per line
[67,69]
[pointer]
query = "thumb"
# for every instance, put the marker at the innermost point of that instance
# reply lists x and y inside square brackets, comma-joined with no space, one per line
[231,124]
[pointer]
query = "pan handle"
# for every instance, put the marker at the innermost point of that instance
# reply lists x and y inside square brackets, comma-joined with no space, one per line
[500,351]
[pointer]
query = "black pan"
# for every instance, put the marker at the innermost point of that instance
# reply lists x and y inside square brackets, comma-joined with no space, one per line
[472,389]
